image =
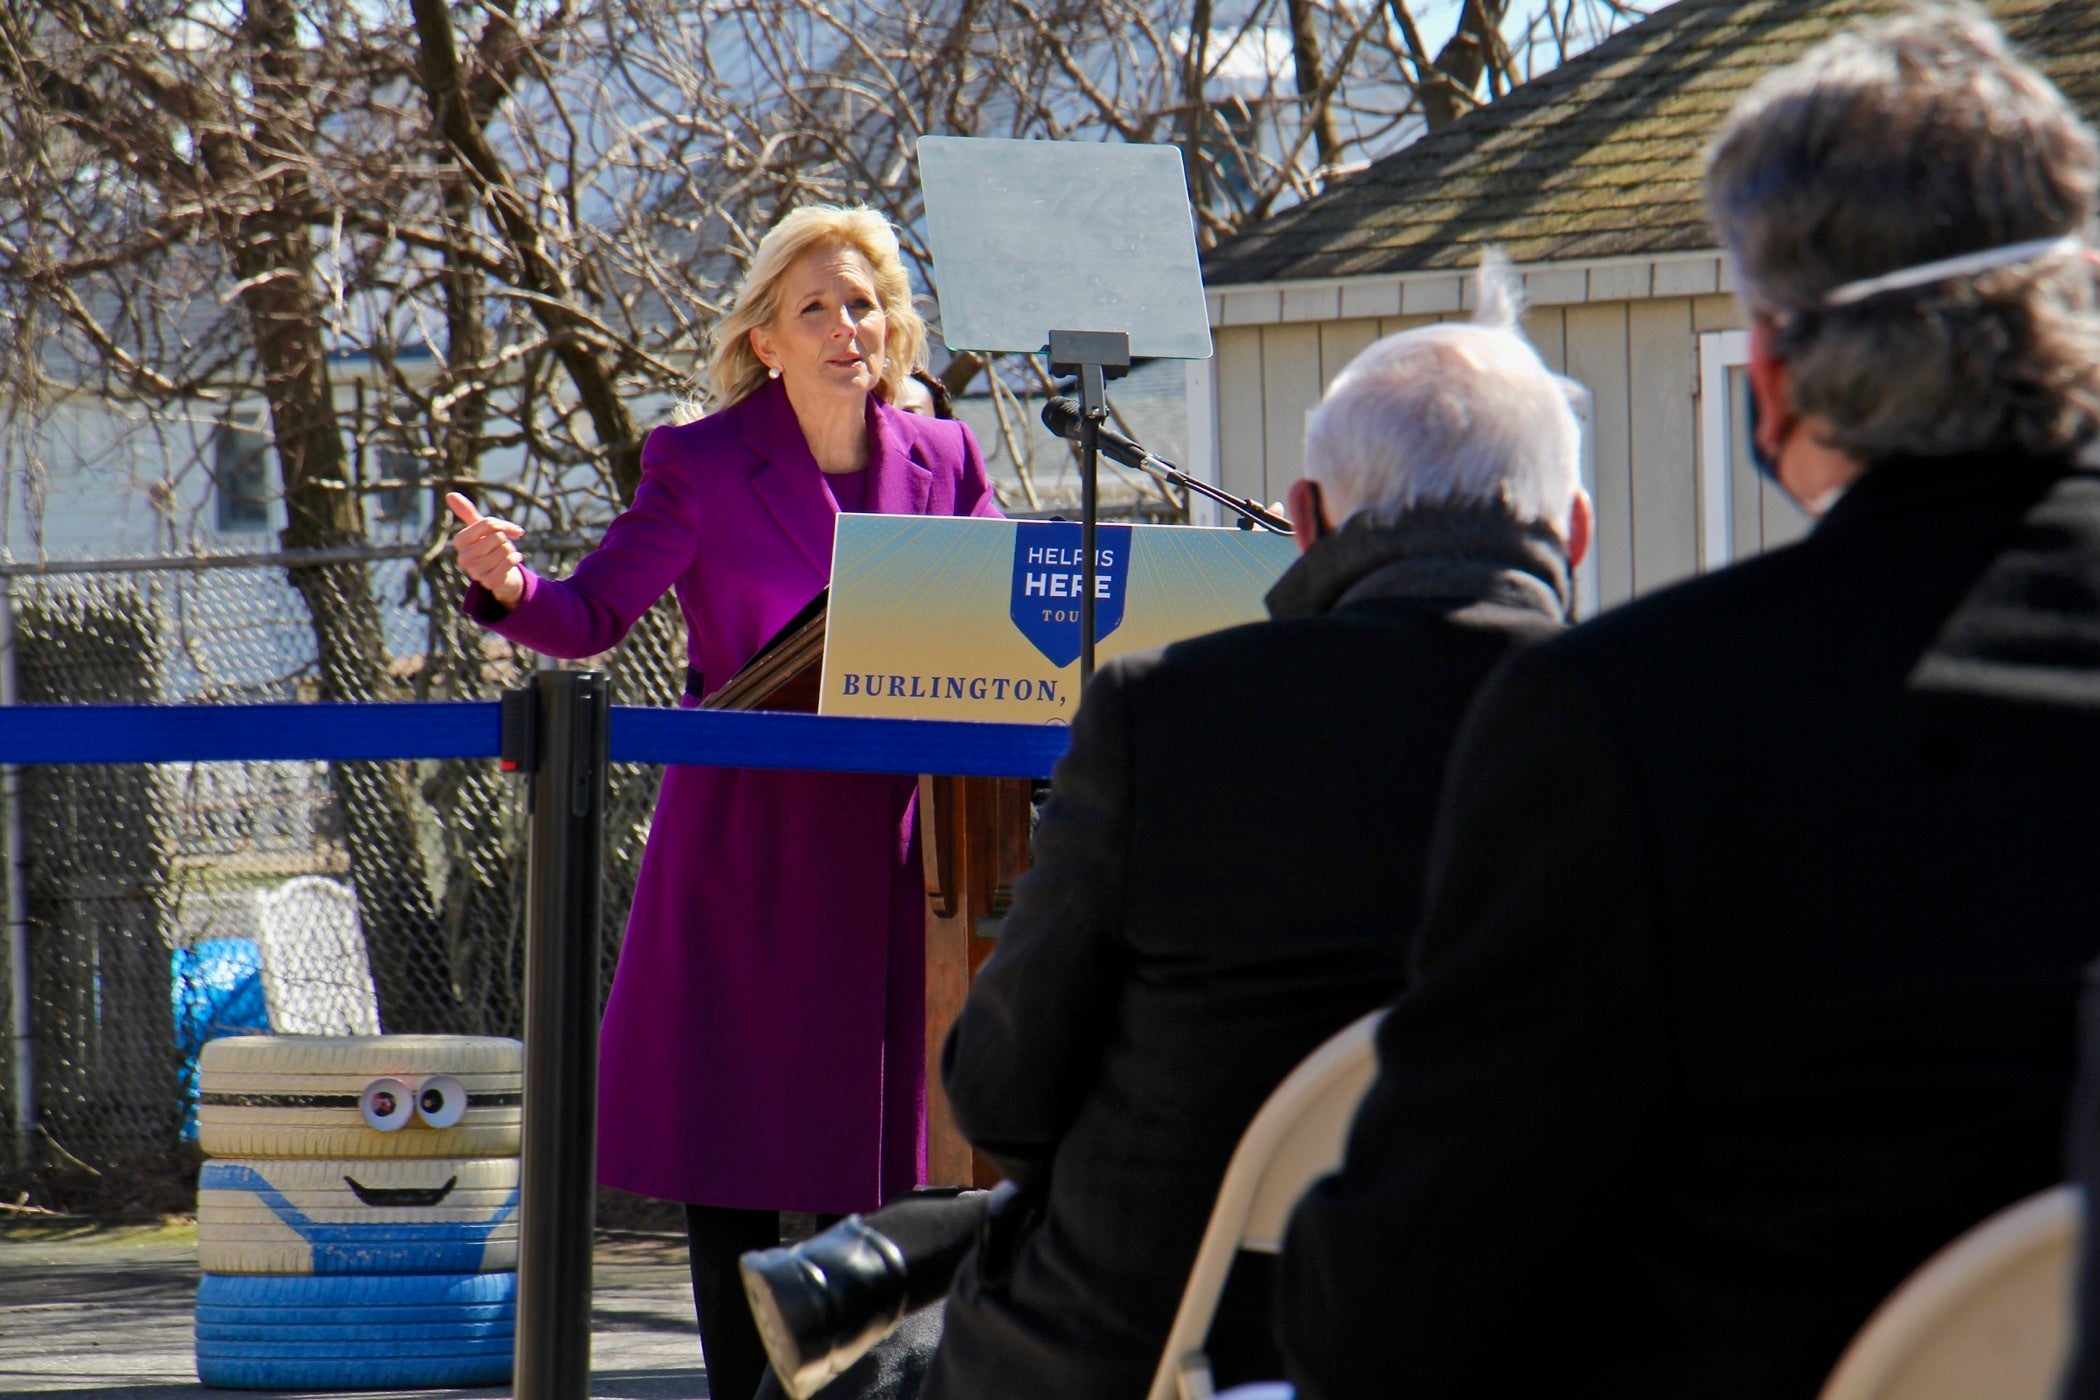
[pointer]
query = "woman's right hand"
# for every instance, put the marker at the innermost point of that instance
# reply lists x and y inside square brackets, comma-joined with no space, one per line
[487,554]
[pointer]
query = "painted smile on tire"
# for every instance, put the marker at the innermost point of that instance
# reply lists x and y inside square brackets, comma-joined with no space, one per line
[387,1243]
[383,1196]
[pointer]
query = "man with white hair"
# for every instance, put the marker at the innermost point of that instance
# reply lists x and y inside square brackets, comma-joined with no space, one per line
[1225,874]
[1757,906]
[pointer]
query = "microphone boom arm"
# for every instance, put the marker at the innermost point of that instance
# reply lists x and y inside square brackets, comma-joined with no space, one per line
[1248,510]
[1062,417]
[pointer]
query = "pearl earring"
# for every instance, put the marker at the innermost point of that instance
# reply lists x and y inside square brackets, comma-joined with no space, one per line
[772,371]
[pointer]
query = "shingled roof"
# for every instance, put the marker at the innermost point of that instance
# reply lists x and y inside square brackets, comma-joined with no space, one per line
[1600,157]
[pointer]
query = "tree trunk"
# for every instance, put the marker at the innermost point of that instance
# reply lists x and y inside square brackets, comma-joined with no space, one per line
[1195,114]
[1448,90]
[570,335]
[1312,82]
[274,256]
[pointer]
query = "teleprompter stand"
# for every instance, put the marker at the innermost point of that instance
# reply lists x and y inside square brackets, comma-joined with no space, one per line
[1096,357]
[1080,250]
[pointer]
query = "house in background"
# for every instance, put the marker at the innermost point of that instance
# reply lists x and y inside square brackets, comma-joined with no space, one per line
[1589,178]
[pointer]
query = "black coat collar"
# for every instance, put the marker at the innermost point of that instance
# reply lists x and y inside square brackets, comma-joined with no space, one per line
[1969,482]
[1447,555]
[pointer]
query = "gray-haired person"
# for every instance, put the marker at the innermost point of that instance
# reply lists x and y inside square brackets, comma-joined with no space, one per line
[1757,907]
[1225,874]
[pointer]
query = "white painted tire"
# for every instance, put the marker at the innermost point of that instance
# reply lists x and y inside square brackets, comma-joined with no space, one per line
[298,1096]
[376,1216]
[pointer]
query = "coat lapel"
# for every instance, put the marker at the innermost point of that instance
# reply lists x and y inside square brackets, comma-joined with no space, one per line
[788,482]
[897,483]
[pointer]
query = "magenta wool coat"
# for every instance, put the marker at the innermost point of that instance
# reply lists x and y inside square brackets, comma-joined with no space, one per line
[764,1045]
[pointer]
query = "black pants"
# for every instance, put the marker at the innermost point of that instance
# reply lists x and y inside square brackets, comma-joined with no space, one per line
[933,1230]
[716,1237]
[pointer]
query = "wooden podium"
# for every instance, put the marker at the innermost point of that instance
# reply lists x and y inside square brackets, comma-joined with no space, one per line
[974,836]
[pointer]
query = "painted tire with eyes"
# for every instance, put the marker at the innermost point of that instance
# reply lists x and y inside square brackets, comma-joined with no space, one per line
[443,1096]
[431,1215]
[373,1331]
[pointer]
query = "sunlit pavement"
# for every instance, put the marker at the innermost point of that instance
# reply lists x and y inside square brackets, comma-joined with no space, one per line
[105,1310]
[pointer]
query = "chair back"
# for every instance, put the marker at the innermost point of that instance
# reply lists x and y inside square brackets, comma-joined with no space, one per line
[1989,1315]
[1294,1140]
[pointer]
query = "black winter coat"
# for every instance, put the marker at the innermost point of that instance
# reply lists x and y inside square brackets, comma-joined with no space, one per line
[1756,915]
[1225,875]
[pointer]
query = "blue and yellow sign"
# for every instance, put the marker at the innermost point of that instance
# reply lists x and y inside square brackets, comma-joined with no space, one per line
[979,619]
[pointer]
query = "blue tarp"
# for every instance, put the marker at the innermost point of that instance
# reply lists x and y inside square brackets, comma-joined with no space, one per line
[218,991]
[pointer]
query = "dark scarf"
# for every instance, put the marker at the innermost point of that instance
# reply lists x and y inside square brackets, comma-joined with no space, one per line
[1443,554]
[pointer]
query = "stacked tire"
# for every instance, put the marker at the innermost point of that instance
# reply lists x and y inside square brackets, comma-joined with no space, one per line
[357,1219]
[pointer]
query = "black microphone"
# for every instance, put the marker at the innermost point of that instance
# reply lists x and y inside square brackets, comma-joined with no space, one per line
[1061,416]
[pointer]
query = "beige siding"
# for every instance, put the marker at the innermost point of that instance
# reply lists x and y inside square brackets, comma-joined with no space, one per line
[1548,328]
[1290,383]
[1389,324]
[1240,445]
[1639,360]
[1717,313]
[1596,356]
[1663,370]
[1341,342]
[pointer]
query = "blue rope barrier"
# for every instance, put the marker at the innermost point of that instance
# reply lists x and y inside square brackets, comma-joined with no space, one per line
[213,733]
[708,738]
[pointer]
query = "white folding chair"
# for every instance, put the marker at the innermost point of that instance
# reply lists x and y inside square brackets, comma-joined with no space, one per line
[1296,1139]
[1988,1316]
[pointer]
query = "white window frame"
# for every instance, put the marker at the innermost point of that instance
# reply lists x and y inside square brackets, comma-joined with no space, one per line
[1583,400]
[1719,352]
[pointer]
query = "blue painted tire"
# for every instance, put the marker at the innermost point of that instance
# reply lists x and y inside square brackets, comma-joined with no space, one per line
[378,1315]
[358,1373]
[366,1255]
[356,1290]
[365,1330]
[355,1331]
[452,1349]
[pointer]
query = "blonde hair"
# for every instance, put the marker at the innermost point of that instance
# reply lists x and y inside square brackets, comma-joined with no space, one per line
[734,371]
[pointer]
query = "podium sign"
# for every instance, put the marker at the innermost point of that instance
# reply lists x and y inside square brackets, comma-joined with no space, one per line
[944,618]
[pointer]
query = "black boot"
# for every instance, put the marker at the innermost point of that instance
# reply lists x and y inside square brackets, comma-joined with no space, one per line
[821,1304]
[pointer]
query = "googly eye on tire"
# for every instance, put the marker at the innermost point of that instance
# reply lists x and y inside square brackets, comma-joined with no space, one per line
[360,1096]
[386,1104]
[441,1101]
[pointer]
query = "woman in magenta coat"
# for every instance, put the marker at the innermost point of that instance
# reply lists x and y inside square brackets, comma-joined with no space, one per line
[764,1044]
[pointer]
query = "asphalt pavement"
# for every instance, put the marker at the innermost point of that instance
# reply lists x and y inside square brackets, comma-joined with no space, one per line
[93,1308]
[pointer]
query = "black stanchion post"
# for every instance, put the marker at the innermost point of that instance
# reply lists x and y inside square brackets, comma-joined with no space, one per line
[557,731]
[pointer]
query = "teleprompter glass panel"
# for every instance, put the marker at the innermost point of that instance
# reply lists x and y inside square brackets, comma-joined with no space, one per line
[1034,236]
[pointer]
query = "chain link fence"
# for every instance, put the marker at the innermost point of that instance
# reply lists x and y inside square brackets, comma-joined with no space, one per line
[166,904]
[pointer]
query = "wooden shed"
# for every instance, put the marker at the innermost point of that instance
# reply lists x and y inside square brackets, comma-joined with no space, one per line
[1589,178]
